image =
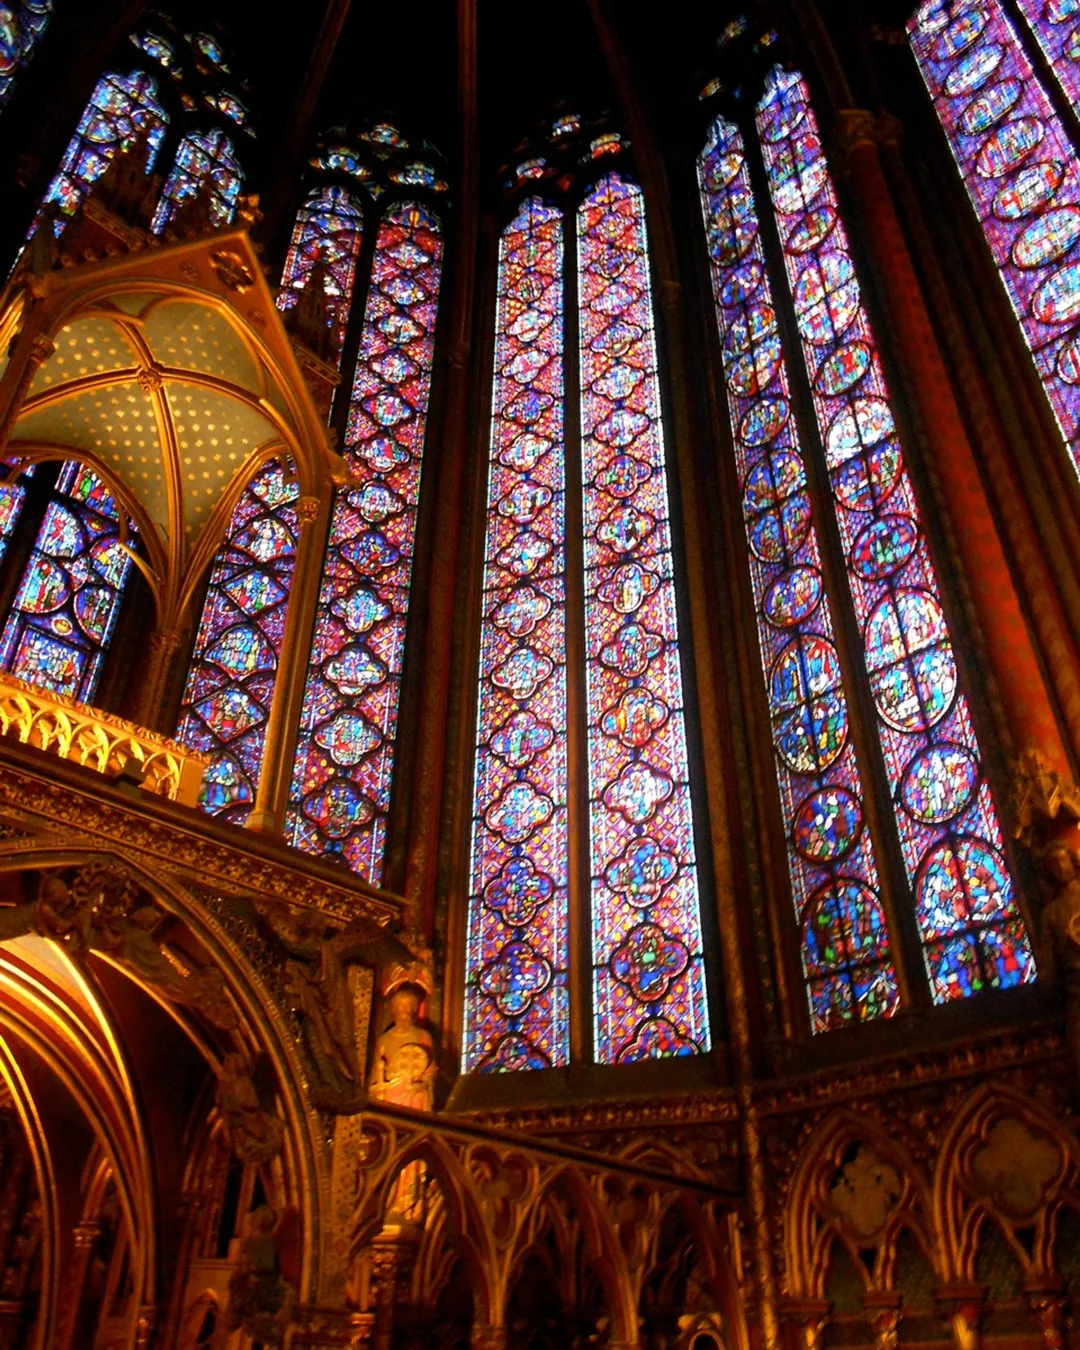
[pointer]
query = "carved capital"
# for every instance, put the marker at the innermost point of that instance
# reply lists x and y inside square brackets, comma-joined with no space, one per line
[149,379]
[1046,1299]
[41,349]
[810,1316]
[961,1308]
[883,1314]
[1043,801]
[307,510]
[855,128]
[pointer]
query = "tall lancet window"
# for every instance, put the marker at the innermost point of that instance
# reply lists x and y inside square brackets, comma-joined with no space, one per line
[946,824]
[518,1001]
[340,796]
[1019,167]
[329,228]
[845,946]
[616,695]
[230,685]
[205,162]
[22,23]
[69,596]
[1056,24]
[122,109]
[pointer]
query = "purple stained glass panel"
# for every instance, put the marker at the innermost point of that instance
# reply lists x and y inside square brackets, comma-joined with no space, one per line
[845,944]
[205,161]
[329,226]
[230,684]
[22,23]
[649,978]
[516,1002]
[65,608]
[965,899]
[1020,170]
[341,788]
[1056,25]
[121,109]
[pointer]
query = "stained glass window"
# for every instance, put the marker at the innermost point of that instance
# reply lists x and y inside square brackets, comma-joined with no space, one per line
[950,838]
[329,226]
[230,684]
[121,108]
[12,498]
[67,602]
[22,22]
[341,789]
[1021,173]
[1056,24]
[205,160]
[649,980]
[517,999]
[845,945]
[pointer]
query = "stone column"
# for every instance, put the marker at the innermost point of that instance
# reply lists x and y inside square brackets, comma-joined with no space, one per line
[271,799]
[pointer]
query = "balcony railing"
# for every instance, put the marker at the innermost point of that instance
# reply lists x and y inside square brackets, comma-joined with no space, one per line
[60,726]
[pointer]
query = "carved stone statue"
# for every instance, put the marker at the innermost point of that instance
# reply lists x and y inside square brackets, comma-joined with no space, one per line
[255,1135]
[1061,932]
[260,1298]
[101,909]
[405,1069]
[317,985]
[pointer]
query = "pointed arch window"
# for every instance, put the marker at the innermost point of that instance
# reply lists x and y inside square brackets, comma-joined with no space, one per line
[648,986]
[122,109]
[69,596]
[329,226]
[22,22]
[1019,166]
[230,684]
[340,793]
[946,825]
[205,161]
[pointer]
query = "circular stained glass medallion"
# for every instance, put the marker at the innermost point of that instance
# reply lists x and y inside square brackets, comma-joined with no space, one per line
[780,118]
[988,108]
[1047,238]
[939,783]
[793,597]
[910,660]
[867,479]
[960,34]
[973,69]
[750,373]
[741,283]
[960,882]
[755,325]
[884,547]
[1071,46]
[764,421]
[826,298]
[845,926]
[1006,148]
[843,369]
[809,713]
[814,227]
[1068,362]
[1058,299]
[795,194]
[865,422]
[827,825]
[932,16]
[722,170]
[1032,188]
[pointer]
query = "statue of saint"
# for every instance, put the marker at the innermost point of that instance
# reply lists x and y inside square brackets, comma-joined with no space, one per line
[405,1069]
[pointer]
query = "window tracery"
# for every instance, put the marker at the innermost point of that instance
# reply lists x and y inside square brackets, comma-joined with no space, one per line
[329,226]
[1019,168]
[122,110]
[845,946]
[648,991]
[230,684]
[67,602]
[340,793]
[205,162]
